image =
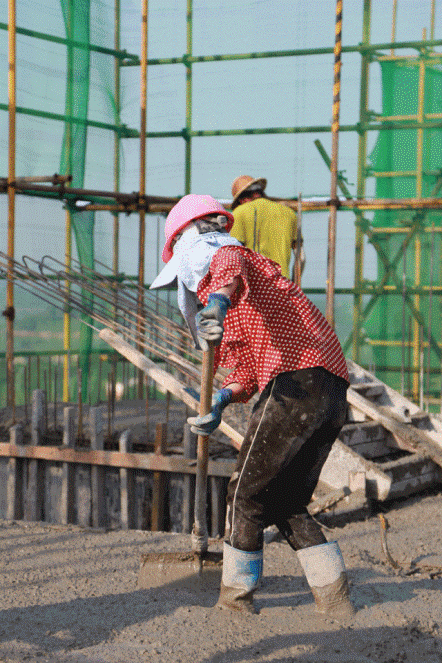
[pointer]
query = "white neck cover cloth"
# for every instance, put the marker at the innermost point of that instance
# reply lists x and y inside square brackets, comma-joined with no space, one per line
[189,264]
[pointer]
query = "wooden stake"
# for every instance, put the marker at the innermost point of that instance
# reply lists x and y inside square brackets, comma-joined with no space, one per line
[159,481]
[126,484]
[97,473]
[68,469]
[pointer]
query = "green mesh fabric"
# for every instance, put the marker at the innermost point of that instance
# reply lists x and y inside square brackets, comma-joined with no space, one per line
[77,22]
[396,151]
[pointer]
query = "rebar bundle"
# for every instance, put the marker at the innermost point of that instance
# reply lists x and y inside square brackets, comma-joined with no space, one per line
[105,299]
[112,301]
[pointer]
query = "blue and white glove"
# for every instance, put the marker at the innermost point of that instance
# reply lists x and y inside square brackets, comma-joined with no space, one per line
[209,422]
[209,321]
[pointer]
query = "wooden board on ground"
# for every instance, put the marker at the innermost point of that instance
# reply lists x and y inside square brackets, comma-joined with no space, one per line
[163,378]
[407,436]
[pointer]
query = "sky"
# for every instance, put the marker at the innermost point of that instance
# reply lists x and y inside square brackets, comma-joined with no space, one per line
[258,93]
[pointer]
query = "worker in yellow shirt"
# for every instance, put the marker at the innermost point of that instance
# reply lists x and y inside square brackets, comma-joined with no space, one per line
[267,227]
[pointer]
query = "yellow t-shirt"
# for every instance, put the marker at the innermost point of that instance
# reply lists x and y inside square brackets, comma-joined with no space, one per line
[268,228]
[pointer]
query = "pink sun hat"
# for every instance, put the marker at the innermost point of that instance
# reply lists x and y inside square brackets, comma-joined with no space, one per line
[190,208]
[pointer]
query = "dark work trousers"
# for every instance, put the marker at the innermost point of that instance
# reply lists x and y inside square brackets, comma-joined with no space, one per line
[291,431]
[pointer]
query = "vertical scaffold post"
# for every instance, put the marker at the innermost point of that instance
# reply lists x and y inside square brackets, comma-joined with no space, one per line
[68,218]
[9,313]
[360,186]
[142,211]
[297,268]
[116,224]
[330,293]
[188,129]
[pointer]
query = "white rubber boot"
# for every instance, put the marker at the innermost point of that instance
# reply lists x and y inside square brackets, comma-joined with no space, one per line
[242,571]
[324,570]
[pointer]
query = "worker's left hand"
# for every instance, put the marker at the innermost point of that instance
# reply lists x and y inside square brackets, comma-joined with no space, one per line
[206,424]
[209,321]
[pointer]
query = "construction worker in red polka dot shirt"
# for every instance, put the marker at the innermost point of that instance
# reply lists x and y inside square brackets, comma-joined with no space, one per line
[276,342]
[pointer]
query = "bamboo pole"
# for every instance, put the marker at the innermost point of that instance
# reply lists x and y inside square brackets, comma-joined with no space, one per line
[404,291]
[432,21]
[355,204]
[188,153]
[68,219]
[393,26]
[430,314]
[330,294]
[9,313]
[142,214]
[300,52]
[116,224]
[66,313]
[360,186]
[418,244]
[52,179]
[297,270]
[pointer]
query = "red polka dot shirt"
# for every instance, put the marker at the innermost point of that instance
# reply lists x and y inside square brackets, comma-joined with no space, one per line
[271,327]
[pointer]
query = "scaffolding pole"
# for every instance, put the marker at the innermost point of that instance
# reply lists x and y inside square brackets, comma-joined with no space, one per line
[68,218]
[9,312]
[334,203]
[360,185]
[115,214]
[188,128]
[142,221]
[417,331]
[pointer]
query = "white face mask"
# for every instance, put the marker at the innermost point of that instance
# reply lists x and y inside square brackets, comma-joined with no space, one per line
[190,263]
[194,253]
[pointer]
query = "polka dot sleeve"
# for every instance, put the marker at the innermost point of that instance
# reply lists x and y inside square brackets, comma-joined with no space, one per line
[271,327]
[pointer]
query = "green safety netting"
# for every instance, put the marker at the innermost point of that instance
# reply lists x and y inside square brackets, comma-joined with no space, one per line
[73,158]
[395,152]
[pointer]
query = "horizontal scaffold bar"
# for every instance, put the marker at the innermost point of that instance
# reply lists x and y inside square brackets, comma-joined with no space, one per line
[72,193]
[120,54]
[126,132]
[372,204]
[122,130]
[390,230]
[343,128]
[397,344]
[131,59]
[298,52]
[133,202]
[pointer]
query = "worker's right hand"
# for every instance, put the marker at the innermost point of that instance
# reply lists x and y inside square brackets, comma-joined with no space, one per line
[206,424]
[209,321]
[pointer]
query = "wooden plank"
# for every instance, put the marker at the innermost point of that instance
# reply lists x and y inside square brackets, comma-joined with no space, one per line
[328,500]
[355,416]
[399,406]
[369,389]
[159,481]
[407,437]
[163,378]
[141,461]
